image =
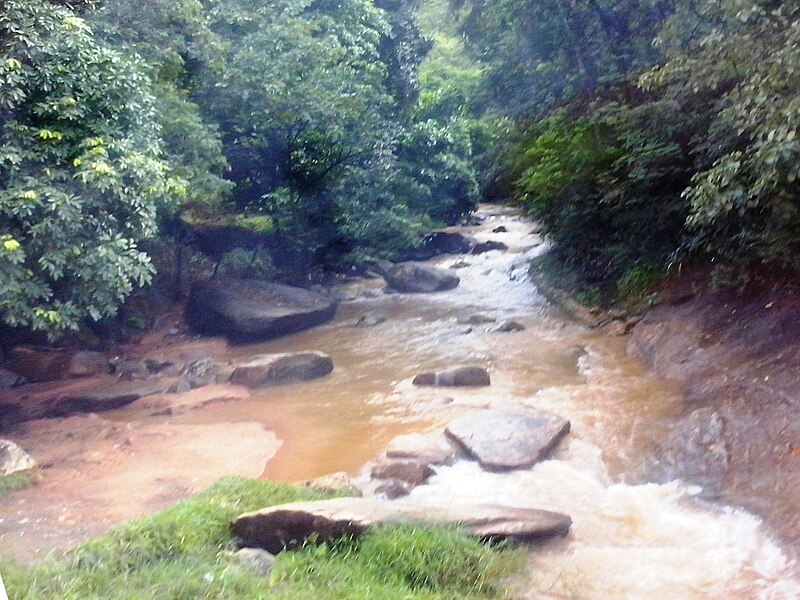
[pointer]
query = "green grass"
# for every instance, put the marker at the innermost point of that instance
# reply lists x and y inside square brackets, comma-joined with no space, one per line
[181,553]
[16,481]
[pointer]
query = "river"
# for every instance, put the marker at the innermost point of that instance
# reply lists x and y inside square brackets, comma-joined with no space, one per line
[631,538]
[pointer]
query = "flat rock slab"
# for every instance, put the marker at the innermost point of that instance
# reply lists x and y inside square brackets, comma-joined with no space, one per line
[277,369]
[289,526]
[458,377]
[508,439]
[249,310]
[420,279]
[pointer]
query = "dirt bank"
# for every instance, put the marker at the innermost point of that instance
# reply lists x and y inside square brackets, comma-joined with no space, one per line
[738,359]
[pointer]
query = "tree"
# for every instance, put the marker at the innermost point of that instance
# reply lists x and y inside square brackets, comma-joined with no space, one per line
[81,175]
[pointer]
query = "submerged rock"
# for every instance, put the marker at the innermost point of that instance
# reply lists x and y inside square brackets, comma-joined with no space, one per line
[501,229]
[249,310]
[420,279]
[510,327]
[14,459]
[9,379]
[391,489]
[508,439]
[289,526]
[484,247]
[370,320]
[410,472]
[277,369]
[461,376]
[476,320]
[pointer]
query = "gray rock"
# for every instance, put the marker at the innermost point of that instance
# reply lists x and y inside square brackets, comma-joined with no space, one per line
[431,449]
[437,243]
[261,561]
[391,489]
[277,369]
[420,279]
[197,374]
[289,526]
[501,229]
[461,376]
[249,310]
[484,247]
[510,327]
[14,459]
[412,473]
[508,439]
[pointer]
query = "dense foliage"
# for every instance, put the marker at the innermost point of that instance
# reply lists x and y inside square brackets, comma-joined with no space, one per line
[81,175]
[294,130]
[634,169]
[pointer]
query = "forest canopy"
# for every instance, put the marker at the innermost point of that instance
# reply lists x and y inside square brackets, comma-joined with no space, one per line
[139,140]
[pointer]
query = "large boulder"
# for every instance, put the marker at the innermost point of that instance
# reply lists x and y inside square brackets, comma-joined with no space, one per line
[289,526]
[458,377]
[415,278]
[508,439]
[14,459]
[278,369]
[411,472]
[437,243]
[37,363]
[246,310]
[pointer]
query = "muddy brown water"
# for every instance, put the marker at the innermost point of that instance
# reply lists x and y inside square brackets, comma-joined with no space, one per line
[631,538]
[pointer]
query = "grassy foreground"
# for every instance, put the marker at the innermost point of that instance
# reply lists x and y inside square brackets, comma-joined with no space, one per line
[181,553]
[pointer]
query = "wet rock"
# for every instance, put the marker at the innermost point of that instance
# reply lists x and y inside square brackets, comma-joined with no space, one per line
[508,439]
[489,246]
[250,310]
[49,364]
[334,483]
[461,376]
[199,373]
[413,473]
[370,320]
[501,229]
[160,366]
[460,264]
[289,526]
[260,561]
[420,279]
[697,451]
[473,221]
[128,370]
[510,327]
[437,243]
[14,459]
[476,320]
[9,379]
[431,449]
[103,398]
[277,369]
[391,489]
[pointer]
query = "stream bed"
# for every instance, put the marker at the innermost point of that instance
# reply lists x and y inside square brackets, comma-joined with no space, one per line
[632,538]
